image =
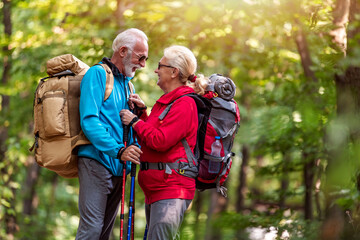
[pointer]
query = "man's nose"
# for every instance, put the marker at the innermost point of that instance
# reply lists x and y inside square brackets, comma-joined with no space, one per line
[142,63]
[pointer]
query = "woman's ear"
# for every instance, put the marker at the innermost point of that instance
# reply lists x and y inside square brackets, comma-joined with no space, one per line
[175,73]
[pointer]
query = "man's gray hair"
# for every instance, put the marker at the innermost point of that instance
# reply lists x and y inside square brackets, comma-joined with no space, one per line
[128,38]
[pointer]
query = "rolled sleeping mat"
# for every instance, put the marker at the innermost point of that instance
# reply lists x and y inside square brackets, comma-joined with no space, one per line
[223,86]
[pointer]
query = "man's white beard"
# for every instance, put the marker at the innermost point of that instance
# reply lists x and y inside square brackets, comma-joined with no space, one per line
[128,66]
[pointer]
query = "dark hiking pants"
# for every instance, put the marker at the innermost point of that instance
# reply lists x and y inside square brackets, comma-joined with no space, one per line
[99,198]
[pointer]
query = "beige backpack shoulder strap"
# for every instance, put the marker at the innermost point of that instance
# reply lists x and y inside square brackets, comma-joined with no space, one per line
[131,87]
[109,81]
[81,138]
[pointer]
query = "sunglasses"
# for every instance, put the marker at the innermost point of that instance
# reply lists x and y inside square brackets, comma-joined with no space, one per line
[140,58]
[163,65]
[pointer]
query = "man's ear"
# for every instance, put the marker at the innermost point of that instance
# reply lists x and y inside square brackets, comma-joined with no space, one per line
[123,51]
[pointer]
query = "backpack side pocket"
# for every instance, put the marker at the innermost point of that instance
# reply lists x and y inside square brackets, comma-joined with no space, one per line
[53,104]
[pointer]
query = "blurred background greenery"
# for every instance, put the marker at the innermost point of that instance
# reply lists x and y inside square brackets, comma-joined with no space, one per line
[296,67]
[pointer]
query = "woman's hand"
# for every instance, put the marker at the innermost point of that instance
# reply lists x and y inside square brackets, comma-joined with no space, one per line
[135,99]
[126,116]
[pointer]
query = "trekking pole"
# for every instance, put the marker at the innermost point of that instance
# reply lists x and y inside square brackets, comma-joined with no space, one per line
[125,138]
[133,211]
[131,218]
[145,233]
[132,190]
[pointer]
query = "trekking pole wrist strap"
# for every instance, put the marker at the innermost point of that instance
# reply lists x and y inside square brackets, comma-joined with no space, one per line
[141,111]
[135,119]
[142,108]
[121,151]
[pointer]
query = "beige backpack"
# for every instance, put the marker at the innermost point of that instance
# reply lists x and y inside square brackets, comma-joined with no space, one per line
[56,114]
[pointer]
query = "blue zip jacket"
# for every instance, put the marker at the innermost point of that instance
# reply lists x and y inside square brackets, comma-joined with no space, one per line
[100,121]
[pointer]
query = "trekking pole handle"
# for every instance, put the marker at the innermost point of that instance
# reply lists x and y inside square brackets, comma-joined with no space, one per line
[125,134]
[133,170]
[135,110]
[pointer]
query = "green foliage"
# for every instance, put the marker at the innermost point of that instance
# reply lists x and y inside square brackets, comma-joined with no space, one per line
[284,223]
[287,119]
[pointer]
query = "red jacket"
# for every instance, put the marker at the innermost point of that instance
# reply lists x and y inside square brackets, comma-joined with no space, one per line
[161,142]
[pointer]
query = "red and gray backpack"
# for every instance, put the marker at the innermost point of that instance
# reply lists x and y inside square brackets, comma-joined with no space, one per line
[218,115]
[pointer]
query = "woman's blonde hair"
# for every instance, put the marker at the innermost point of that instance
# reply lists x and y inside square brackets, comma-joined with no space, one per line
[183,59]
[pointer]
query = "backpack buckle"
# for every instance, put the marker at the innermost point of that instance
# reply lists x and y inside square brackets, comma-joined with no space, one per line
[181,171]
[160,166]
[144,166]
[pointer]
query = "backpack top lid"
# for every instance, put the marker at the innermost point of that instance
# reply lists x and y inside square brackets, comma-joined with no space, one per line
[66,62]
[223,86]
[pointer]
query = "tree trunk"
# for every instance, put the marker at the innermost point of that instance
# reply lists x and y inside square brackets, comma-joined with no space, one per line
[284,181]
[352,74]
[242,187]
[32,176]
[6,74]
[50,204]
[197,206]
[318,190]
[348,85]
[354,9]
[122,6]
[10,220]
[348,109]
[333,225]
[218,204]
[309,168]
[303,50]
[341,18]
[309,165]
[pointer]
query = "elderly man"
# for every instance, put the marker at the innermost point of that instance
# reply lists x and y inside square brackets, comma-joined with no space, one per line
[100,169]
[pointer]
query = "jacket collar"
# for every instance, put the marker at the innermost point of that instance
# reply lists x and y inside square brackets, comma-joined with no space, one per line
[112,66]
[114,69]
[174,94]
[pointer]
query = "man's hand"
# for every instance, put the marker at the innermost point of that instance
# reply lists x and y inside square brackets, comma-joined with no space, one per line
[126,116]
[132,154]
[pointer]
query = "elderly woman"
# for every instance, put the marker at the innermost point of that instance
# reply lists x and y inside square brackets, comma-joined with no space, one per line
[167,193]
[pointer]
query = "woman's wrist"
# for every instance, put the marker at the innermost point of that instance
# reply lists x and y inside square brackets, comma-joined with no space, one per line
[133,121]
[134,124]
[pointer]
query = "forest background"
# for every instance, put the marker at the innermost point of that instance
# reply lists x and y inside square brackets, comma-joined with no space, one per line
[296,67]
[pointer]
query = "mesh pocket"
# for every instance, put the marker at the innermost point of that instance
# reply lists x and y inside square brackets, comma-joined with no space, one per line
[53,103]
[204,172]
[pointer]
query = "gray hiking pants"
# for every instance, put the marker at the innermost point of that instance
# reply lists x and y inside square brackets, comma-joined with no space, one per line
[164,218]
[99,198]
